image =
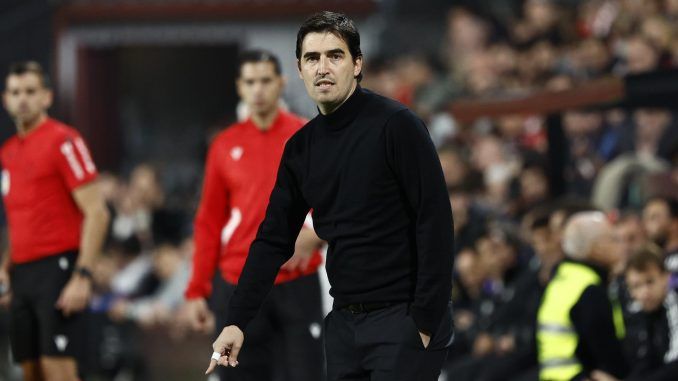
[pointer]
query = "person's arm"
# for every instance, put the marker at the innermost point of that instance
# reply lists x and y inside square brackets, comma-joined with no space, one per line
[212,214]
[76,168]
[5,287]
[274,243]
[308,243]
[413,159]
[272,247]
[76,293]
[91,202]
[592,319]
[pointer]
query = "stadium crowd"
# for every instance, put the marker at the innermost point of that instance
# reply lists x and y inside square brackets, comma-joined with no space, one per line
[509,213]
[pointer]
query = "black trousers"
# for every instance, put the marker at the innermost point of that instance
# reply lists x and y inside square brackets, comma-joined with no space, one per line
[284,340]
[383,345]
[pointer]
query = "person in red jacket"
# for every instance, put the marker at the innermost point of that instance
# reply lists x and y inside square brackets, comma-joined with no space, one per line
[240,172]
[57,222]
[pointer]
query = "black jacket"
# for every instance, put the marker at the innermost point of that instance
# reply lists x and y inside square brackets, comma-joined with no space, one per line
[652,340]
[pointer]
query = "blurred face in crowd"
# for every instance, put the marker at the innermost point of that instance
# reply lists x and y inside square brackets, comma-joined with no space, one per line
[631,235]
[593,54]
[470,270]
[259,86]
[671,6]
[640,56]
[651,123]
[657,30]
[26,99]
[454,168]
[542,242]
[466,32]
[541,14]
[460,208]
[648,287]
[144,188]
[328,70]
[166,261]
[487,151]
[657,221]
[581,123]
[496,255]
[533,185]
[480,73]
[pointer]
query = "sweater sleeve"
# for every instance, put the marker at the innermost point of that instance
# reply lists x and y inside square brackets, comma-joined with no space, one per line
[273,245]
[414,160]
[210,219]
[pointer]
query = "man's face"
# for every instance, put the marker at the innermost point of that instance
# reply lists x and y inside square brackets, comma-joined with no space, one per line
[328,70]
[259,86]
[656,220]
[25,98]
[631,235]
[648,287]
[541,241]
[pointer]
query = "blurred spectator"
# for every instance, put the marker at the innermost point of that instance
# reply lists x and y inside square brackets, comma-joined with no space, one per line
[455,166]
[660,220]
[583,130]
[576,332]
[655,133]
[172,268]
[469,277]
[640,55]
[652,334]
[469,220]
[630,232]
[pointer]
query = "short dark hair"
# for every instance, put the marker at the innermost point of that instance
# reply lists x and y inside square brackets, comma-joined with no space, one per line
[258,55]
[336,23]
[23,67]
[645,258]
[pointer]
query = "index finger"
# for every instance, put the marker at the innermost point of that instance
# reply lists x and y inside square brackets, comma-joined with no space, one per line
[210,368]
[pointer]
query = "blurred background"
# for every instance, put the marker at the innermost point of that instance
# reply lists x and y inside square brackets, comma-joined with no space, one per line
[538,108]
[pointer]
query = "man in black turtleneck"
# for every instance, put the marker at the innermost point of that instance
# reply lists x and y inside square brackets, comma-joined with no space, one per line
[368,169]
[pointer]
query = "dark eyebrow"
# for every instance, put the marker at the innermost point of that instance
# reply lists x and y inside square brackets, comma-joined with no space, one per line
[309,54]
[333,51]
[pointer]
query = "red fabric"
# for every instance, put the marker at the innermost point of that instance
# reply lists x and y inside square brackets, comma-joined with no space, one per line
[242,164]
[39,173]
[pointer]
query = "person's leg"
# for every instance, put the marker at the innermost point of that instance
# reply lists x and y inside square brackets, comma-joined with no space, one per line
[344,357]
[298,309]
[254,360]
[23,327]
[397,352]
[61,338]
[59,368]
[32,371]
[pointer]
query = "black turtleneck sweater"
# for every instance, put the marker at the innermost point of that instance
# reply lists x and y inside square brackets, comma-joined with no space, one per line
[372,177]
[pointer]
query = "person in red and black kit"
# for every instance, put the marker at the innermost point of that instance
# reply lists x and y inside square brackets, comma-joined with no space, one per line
[239,175]
[57,222]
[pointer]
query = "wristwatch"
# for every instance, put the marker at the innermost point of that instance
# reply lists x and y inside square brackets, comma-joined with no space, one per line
[84,272]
